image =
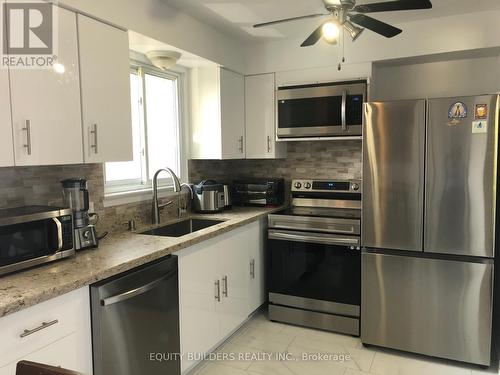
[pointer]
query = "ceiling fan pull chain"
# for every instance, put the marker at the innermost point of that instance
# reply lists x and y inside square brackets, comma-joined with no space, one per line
[341,53]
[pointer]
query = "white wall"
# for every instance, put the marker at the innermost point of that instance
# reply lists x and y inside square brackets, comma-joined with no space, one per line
[425,37]
[323,74]
[460,77]
[157,20]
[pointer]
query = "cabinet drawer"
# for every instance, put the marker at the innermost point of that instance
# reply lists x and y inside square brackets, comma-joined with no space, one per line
[65,353]
[65,313]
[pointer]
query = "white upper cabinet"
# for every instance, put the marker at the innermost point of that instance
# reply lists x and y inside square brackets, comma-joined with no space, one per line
[6,149]
[218,114]
[105,84]
[260,117]
[46,111]
[232,98]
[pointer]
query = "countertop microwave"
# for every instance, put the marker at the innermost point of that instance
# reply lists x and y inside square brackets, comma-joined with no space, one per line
[34,235]
[321,111]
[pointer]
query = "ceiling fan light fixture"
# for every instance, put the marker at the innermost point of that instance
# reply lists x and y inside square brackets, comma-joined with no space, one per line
[330,31]
[353,30]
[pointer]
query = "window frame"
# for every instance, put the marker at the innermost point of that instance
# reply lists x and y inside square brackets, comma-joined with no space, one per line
[116,192]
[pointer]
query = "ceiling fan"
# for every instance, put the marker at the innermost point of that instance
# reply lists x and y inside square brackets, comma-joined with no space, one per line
[349,16]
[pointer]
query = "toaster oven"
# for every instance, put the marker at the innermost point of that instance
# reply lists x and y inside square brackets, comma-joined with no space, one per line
[259,192]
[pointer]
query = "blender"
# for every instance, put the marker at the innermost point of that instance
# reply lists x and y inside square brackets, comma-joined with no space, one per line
[76,197]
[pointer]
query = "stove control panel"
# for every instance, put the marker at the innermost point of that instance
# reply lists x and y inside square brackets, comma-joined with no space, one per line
[337,186]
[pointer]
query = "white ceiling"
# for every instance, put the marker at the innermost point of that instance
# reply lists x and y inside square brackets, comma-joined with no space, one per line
[236,17]
[143,44]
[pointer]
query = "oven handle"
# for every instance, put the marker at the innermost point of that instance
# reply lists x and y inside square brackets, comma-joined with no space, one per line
[312,237]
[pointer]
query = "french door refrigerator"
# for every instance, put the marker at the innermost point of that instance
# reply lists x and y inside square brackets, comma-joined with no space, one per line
[428,228]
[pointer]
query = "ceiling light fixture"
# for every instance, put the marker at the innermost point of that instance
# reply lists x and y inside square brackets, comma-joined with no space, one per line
[353,30]
[330,32]
[59,68]
[163,59]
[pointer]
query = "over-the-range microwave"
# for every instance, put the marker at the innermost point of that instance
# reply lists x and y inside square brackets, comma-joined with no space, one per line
[321,110]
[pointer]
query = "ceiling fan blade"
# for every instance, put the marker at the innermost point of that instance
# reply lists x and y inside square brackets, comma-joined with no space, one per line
[290,19]
[377,26]
[314,37]
[391,6]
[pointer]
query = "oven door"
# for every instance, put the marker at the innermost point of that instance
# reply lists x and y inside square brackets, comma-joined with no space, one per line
[320,111]
[315,271]
[22,243]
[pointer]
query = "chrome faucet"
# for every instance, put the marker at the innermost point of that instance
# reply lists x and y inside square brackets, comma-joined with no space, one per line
[184,209]
[155,215]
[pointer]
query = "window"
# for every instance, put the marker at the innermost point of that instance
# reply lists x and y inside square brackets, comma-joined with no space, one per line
[156,132]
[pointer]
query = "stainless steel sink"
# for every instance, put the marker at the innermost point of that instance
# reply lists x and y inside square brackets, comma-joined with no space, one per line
[181,228]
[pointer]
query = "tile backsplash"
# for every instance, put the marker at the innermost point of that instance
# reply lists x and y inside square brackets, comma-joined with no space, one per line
[317,159]
[22,186]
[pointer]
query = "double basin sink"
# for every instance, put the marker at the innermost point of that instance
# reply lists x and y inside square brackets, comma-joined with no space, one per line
[181,228]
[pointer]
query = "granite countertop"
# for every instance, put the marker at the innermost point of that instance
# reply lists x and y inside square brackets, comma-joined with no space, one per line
[116,254]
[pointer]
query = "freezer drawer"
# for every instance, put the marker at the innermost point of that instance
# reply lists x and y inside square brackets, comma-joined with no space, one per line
[393,175]
[440,308]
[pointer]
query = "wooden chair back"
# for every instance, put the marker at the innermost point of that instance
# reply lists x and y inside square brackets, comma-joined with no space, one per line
[32,368]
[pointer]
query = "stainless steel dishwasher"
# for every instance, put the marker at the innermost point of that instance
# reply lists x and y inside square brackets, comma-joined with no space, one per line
[135,321]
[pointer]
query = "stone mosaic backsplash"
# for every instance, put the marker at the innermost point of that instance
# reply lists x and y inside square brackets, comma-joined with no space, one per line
[22,186]
[318,159]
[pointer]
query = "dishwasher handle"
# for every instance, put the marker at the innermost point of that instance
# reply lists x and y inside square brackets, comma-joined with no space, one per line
[135,292]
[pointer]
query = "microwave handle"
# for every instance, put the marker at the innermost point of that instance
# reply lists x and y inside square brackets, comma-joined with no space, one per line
[343,109]
[59,233]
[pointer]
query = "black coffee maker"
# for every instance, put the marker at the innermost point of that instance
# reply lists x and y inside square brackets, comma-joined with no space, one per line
[76,197]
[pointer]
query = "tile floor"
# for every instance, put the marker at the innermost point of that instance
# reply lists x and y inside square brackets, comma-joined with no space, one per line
[260,336]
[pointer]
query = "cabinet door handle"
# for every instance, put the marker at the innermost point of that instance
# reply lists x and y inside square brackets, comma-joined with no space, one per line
[252,268]
[27,129]
[268,144]
[217,290]
[93,132]
[224,286]
[241,144]
[44,325]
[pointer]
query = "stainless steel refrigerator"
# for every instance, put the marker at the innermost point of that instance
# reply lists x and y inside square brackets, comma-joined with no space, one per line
[428,228]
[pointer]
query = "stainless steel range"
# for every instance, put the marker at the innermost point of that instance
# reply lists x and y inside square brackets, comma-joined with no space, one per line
[314,260]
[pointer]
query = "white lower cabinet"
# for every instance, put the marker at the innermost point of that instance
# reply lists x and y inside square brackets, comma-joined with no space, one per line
[65,341]
[256,239]
[198,315]
[232,270]
[217,288]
